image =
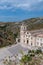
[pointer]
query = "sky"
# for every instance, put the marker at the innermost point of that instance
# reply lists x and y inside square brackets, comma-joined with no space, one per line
[18,10]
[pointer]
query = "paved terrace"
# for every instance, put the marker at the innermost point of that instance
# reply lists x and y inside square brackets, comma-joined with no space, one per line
[11,51]
[16,49]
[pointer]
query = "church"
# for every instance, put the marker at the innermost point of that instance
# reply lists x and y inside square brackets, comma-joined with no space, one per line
[30,38]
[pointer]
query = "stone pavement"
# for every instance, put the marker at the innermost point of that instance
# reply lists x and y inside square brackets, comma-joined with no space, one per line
[10,51]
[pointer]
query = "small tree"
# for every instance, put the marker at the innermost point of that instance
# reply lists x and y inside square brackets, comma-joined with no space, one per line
[25,59]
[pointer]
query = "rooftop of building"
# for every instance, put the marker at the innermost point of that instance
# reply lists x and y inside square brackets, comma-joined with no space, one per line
[36,33]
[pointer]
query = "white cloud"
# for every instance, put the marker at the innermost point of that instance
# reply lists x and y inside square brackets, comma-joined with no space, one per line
[5,7]
[22,4]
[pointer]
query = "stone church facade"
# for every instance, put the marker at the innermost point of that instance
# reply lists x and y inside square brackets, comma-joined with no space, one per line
[28,38]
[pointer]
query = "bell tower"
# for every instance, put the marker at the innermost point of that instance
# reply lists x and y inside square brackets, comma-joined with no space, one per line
[22,32]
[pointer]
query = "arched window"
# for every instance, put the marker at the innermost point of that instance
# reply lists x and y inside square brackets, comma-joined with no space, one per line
[27,33]
[18,40]
[24,28]
[27,41]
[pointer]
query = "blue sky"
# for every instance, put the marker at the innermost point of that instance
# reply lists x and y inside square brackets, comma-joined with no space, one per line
[17,10]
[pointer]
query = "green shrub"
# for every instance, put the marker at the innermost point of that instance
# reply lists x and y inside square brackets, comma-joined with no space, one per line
[38,51]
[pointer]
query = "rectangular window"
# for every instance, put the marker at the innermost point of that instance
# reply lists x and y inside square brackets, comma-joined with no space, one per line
[31,37]
[31,43]
[40,39]
[37,43]
[41,44]
[24,40]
